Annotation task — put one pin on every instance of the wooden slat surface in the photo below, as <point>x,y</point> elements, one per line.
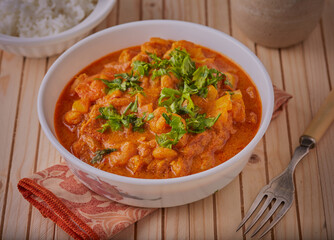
<point>305,70</point>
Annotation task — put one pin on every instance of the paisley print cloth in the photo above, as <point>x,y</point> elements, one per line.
<point>58,194</point>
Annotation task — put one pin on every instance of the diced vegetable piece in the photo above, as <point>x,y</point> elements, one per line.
<point>162,153</point>
<point>81,78</point>
<point>178,167</point>
<point>212,93</point>
<point>223,105</point>
<point>135,163</point>
<point>126,55</point>
<point>238,107</point>
<point>194,51</point>
<point>158,167</point>
<point>158,123</point>
<point>232,80</point>
<point>166,82</point>
<point>128,150</point>
<point>156,46</point>
<point>73,117</point>
<point>148,108</point>
<point>81,105</point>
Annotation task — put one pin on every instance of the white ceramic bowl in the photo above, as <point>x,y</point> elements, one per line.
<point>151,192</point>
<point>51,45</point>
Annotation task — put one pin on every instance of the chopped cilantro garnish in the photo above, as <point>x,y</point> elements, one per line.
<point>123,82</point>
<point>193,81</point>
<point>171,138</point>
<point>99,154</point>
<point>203,77</point>
<point>141,67</point>
<point>116,121</point>
<point>200,123</point>
<point>150,116</point>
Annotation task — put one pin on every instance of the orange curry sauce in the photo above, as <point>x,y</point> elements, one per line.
<point>137,153</point>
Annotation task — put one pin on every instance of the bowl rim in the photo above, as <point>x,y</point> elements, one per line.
<point>141,181</point>
<point>101,10</point>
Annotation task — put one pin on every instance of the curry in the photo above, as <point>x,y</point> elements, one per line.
<point>164,109</point>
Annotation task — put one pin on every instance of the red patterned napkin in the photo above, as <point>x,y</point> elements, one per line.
<point>80,212</point>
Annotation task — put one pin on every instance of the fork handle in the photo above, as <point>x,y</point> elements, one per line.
<point>322,120</point>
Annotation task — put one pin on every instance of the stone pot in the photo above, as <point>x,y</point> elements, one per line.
<point>277,23</point>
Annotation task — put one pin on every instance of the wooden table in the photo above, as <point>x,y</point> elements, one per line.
<point>305,70</point>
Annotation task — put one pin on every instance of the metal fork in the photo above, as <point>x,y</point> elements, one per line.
<point>280,190</point>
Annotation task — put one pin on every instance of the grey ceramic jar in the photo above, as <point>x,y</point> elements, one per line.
<point>277,23</point>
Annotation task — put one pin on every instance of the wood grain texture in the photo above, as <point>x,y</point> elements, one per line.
<point>319,88</point>
<point>152,9</point>
<point>328,38</point>
<point>150,227</point>
<point>176,223</point>
<point>227,200</point>
<point>126,11</point>
<point>10,80</point>
<point>228,214</point>
<point>306,71</point>
<point>24,151</point>
<point>254,174</point>
<point>126,234</point>
<point>310,205</point>
<point>278,155</point>
<point>40,227</point>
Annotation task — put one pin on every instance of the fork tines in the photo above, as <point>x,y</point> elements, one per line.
<point>268,198</point>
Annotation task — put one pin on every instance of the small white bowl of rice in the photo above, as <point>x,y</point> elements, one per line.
<point>39,28</point>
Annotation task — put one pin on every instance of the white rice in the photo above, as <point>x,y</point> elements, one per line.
<point>39,18</point>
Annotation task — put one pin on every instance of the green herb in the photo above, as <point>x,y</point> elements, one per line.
<point>141,67</point>
<point>133,106</point>
<point>159,72</point>
<point>158,63</point>
<point>203,77</point>
<point>200,123</point>
<point>123,82</point>
<point>116,121</point>
<point>193,81</point>
<point>150,117</point>
<point>99,154</point>
<point>139,123</point>
<point>172,99</point>
<point>181,64</point>
<point>171,138</point>
<point>158,66</point>
<point>228,83</point>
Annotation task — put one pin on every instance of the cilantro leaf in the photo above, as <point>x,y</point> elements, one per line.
<point>200,123</point>
<point>181,64</point>
<point>172,99</point>
<point>159,72</point>
<point>203,77</point>
<point>116,121</point>
<point>99,154</point>
<point>141,67</point>
<point>150,117</point>
<point>123,82</point>
<point>167,140</point>
<point>133,106</point>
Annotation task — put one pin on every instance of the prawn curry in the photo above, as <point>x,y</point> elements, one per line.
<point>164,109</point>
